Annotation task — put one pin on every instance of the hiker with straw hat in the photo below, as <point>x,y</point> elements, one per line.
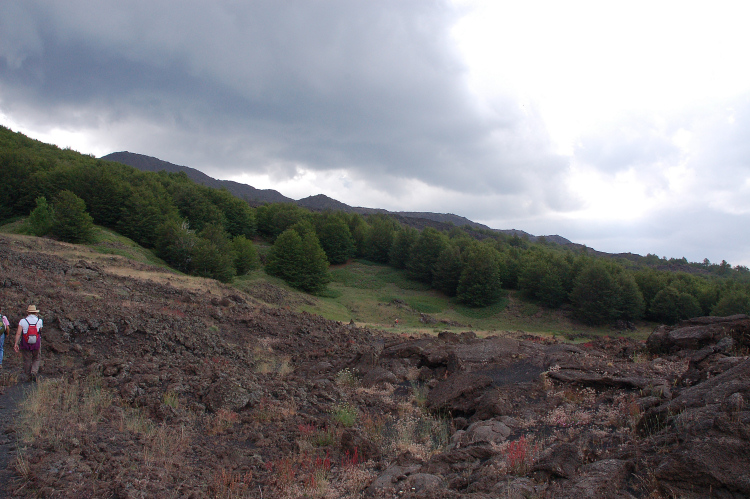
<point>29,341</point>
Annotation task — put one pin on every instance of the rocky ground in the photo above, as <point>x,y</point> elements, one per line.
<point>159,385</point>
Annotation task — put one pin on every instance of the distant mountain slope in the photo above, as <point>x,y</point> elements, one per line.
<point>319,202</point>
<point>242,191</point>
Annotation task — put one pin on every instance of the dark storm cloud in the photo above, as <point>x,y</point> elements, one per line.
<point>372,87</point>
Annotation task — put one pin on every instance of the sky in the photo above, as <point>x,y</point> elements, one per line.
<point>620,125</point>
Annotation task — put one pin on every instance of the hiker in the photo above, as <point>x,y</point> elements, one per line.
<point>29,341</point>
<point>4,328</point>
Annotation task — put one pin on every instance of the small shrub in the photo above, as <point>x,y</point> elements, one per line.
<point>345,414</point>
<point>374,425</point>
<point>519,456</point>
<point>420,433</point>
<point>165,447</point>
<point>265,362</point>
<point>284,471</point>
<point>347,377</point>
<point>228,485</point>
<point>21,465</point>
<point>351,459</point>
<point>323,437</point>
<point>317,474</point>
<point>135,421</point>
<point>171,399</point>
<point>640,357</point>
<point>222,421</point>
<point>419,393</point>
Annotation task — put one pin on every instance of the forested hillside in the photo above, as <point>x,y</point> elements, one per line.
<point>208,232</point>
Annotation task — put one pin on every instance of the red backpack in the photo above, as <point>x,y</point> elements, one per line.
<point>31,336</point>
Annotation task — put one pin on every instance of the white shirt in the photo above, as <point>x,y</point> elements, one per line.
<point>24,323</point>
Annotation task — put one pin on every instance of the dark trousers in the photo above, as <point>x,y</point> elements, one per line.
<point>31,361</point>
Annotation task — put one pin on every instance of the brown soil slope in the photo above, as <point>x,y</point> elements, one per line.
<point>159,385</point>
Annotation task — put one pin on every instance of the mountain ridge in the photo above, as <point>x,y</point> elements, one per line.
<point>317,202</point>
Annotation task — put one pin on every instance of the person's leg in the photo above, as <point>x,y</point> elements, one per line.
<point>36,358</point>
<point>26,363</point>
<point>2,346</point>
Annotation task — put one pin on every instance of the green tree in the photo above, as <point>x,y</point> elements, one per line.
<point>380,240</point>
<point>212,255</point>
<point>632,305</point>
<point>595,296</point>
<point>448,268</point>
<point>689,306</point>
<point>245,255</point>
<point>336,240</point>
<point>300,261</point>
<point>104,187</point>
<point>314,275</point>
<point>479,284</point>
<point>303,227</point>
<point>238,216</point>
<point>41,220</point>
<point>148,206</point>
<point>732,302</point>
<point>360,231</point>
<point>424,253</point>
<point>285,257</point>
<point>194,204</point>
<point>539,279</point>
<point>650,282</point>
<point>403,240</point>
<point>511,267</point>
<point>71,223</point>
<point>273,219</point>
<point>669,306</point>
<point>175,243</point>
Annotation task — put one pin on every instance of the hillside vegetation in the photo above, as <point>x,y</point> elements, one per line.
<point>208,232</point>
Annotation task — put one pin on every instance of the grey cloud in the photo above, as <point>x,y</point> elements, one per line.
<point>373,87</point>
<point>636,142</point>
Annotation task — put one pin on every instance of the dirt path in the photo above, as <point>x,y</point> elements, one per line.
<point>9,400</point>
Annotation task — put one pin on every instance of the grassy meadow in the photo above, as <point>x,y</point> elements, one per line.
<point>376,295</point>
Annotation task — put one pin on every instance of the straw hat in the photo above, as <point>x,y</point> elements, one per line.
<point>32,309</point>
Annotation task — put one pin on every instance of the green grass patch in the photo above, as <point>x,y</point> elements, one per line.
<point>329,293</point>
<point>427,304</point>
<point>15,225</point>
<point>398,278</point>
<point>482,312</point>
<point>356,277</point>
<point>108,242</point>
<point>422,303</point>
<point>528,309</point>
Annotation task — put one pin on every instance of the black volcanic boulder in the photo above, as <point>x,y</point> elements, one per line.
<point>228,394</point>
<point>603,479</point>
<point>700,332</point>
<point>709,424</point>
<point>561,460</point>
<point>459,393</point>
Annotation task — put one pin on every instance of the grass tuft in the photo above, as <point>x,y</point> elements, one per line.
<point>345,414</point>
<point>58,408</point>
